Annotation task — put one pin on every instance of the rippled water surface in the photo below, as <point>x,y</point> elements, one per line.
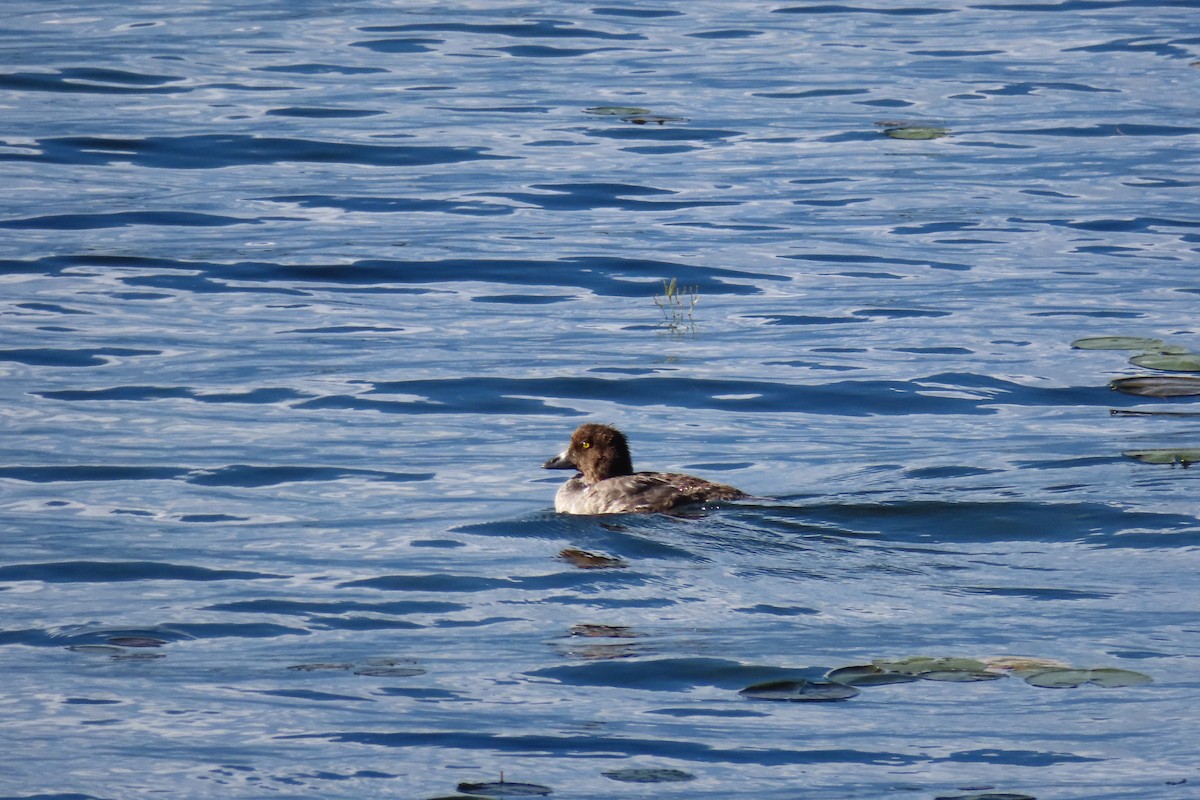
<point>297,297</point>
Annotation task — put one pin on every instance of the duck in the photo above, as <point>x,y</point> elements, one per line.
<point>605,482</point>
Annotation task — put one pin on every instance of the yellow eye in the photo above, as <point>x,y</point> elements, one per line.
<point>586,445</point>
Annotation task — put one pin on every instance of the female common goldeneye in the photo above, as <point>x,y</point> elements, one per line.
<point>607,484</point>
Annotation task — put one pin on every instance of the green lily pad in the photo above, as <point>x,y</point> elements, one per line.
<point>1169,362</point>
<point>136,641</point>
<point>585,559</point>
<point>650,775</point>
<point>800,691</point>
<point>917,665</point>
<point>1184,456</point>
<point>319,666</point>
<point>1158,385</point>
<point>960,675</point>
<point>917,132</point>
<point>867,675</point>
<point>1118,343</point>
<point>959,670</point>
<point>1104,677</point>
<point>389,672</point>
<point>505,789</point>
<point>646,119</point>
<point>617,111</point>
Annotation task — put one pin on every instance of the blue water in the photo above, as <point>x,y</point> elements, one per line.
<point>298,296</point>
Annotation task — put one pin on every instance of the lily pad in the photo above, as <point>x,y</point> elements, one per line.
<point>319,666</point>
<point>136,641</point>
<point>505,789</point>
<point>617,111</point>
<point>1023,663</point>
<point>986,796</point>
<point>1104,677</point>
<point>1118,343</point>
<point>594,631</point>
<point>1158,385</point>
<point>650,775</point>
<point>800,691</point>
<point>646,119</point>
<point>389,672</point>
<point>918,665</point>
<point>1169,362</point>
<point>585,559</point>
<point>1184,456</point>
<point>916,132</point>
<point>961,675</point>
<point>868,675</point>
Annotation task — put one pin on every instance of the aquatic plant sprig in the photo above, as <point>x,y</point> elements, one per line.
<point>678,305</point>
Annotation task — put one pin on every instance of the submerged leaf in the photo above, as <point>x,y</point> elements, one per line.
<point>986,796</point>
<point>505,789</point>
<point>1169,362</point>
<point>1104,677</point>
<point>918,665</point>
<point>136,641</point>
<point>1184,456</point>
<point>800,691</point>
<point>867,675</point>
<point>1158,385</point>
<point>320,666</point>
<point>650,775</point>
<point>594,631</point>
<point>1023,663</point>
<point>588,560</point>
<point>917,132</point>
<point>961,675</point>
<point>1112,678</point>
<point>389,672</point>
<point>1118,343</point>
<point>643,119</point>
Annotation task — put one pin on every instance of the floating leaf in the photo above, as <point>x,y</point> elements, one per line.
<point>617,111</point>
<point>960,675</point>
<point>917,132</point>
<point>1184,456</point>
<point>593,631</point>
<point>504,788</point>
<point>917,665</point>
<point>1169,362</point>
<point>136,641</point>
<point>1070,678</point>
<point>650,775</point>
<point>588,560</point>
<point>389,672</point>
<point>643,119</point>
<point>1023,663</point>
<point>986,796</point>
<point>961,670</point>
<point>1118,343</point>
<point>800,691</point>
<point>867,675</point>
<point>317,667</point>
<point>1158,385</point>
